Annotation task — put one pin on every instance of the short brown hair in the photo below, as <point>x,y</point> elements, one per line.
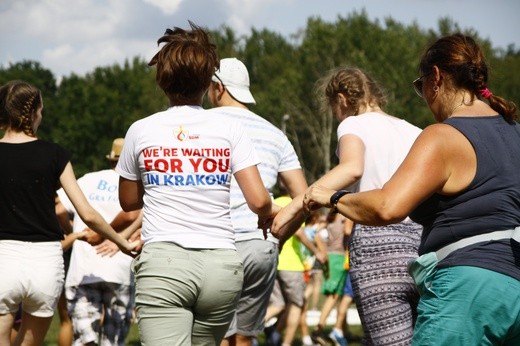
<point>185,64</point>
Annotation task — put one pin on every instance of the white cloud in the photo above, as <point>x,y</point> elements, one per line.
<point>167,6</point>
<point>79,35</point>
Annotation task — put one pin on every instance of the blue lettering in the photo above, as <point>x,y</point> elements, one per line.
<point>190,180</point>
<point>179,180</point>
<point>168,179</point>
<point>199,179</point>
<point>210,180</point>
<point>222,179</point>
<point>153,179</point>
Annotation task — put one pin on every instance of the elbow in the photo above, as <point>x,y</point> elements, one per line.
<point>130,207</point>
<point>90,218</point>
<point>388,215</point>
<point>261,206</point>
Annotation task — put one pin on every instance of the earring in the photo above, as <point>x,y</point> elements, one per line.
<point>436,88</point>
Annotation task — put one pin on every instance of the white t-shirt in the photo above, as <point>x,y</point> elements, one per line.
<point>185,157</point>
<point>387,141</point>
<point>87,267</point>
<point>276,155</point>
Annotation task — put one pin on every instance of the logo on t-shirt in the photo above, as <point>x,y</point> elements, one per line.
<point>182,134</point>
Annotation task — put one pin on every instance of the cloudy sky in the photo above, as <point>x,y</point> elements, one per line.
<point>68,36</point>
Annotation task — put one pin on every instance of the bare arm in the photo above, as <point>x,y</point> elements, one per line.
<point>346,173</point>
<point>296,184</point>
<point>88,214</point>
<point>320,256</point>
<point>440,161</point>
<point>130,194</point>
<point>122,220</point>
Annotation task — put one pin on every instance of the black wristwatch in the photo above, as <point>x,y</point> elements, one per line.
<point>334,199</point>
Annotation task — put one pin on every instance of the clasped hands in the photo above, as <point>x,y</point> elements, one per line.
<point>288,219</point>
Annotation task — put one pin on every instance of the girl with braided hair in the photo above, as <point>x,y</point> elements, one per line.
<point>31,256</point>
<point>461,181</point>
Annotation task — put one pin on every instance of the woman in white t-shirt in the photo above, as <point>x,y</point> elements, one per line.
<point>177,165</point>
<point>371,146</point>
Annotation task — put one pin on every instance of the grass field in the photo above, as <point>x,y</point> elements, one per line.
<point>133,336</point>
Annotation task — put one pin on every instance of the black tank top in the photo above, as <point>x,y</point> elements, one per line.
<point>490,203</point>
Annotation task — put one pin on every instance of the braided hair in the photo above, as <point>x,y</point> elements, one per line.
<point>19,101</point>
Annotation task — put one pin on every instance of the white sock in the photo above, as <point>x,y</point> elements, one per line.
<point>338,331</point>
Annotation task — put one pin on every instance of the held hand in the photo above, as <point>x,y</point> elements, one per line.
<point>265,222</point>
<point>316,197</point>
<point>92,237</point>
<point>107,248</point>
<point>287,221</point>
<point>131,248</point>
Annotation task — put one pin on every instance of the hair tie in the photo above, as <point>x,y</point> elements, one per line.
<point>485,93</point>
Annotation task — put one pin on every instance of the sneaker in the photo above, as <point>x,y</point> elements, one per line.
<point>320,338</point>
<point>337,339</point>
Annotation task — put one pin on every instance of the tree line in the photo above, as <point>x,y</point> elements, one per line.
<point>85,113</point>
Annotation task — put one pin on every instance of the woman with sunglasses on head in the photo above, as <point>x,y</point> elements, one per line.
<point>177,165</point>
<point>461,181</point>
<point>371,146</point>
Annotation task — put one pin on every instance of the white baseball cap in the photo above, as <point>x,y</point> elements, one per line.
<point>234,77</point>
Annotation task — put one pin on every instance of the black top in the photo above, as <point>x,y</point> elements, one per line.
<point>490,203</point>
<point>29,177</point>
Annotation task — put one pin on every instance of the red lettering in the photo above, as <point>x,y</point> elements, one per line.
<point>176,165</point>
<point>195,163</point>
<point>148,164</point>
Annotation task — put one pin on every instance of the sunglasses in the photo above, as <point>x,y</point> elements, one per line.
<point>218,80</point>
<point>418,85</point>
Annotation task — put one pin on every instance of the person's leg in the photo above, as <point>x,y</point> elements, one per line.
<point>32,330</point>
<point>118,301</point>
<point>304,328</point>
<point>167,285</point>
<point>65,335</point>
<point>292,285</point>
<point>316,281</point>
<point>337,332</point>
<point>291,323</point>
<point>6,326</point>
<point>219,292</point>
<point>260,258</point>
<point>382,283</point>
<point>85,308</point>
<point>276,303</point>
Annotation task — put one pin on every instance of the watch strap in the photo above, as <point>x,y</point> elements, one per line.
<point>334,199</point>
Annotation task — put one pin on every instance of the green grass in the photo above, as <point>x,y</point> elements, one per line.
<point>133,336</point>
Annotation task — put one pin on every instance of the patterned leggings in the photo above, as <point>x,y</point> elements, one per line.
<point>384,292</point>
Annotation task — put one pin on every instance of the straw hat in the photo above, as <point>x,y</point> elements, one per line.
<point>117,147</point>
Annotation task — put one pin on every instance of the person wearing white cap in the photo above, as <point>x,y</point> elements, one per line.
<point>230,94</point>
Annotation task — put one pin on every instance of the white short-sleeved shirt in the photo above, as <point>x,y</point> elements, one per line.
<point>86,266</point>
<point>276,155</point>
<point>387,140</point>
<point>185,157</point>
